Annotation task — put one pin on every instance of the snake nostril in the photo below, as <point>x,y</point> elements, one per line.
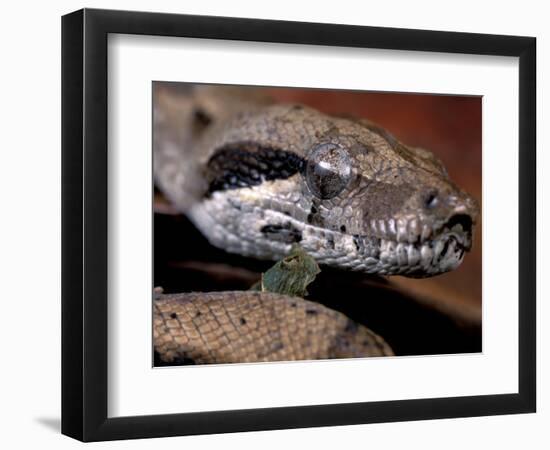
<point>460,219</point>
<point>431,199</point>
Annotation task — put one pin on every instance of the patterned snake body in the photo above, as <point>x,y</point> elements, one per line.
<point>229,327</point>
<point>256,178</point>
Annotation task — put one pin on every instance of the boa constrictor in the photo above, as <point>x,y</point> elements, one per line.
<point>256,178</point>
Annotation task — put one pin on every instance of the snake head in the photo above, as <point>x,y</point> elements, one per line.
<point>347,191</point>
<point>399,209</point>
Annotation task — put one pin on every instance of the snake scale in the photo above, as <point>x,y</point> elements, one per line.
<point>258,177</point>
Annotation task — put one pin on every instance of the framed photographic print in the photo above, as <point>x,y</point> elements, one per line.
<point>276,224</point>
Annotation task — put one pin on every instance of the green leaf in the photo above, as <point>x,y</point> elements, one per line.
<point>291,275</point>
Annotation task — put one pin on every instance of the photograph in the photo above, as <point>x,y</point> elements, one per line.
<point>296,224</point>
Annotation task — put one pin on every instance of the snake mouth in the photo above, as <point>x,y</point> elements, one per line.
<point>459,227</point>
<point>400,246</point>
<point>419,252</point>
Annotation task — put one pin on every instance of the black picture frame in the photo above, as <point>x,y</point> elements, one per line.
<point>84,224</point>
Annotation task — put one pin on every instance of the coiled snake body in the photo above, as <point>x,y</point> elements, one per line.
<point>256,178</point>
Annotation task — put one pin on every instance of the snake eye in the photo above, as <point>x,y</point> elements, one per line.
<point>328,170</point>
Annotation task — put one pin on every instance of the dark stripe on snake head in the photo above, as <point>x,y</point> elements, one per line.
<point>247,164</point>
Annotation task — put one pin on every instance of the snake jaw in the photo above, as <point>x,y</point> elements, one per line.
<point>230,221</point>
<point>418,246</point>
